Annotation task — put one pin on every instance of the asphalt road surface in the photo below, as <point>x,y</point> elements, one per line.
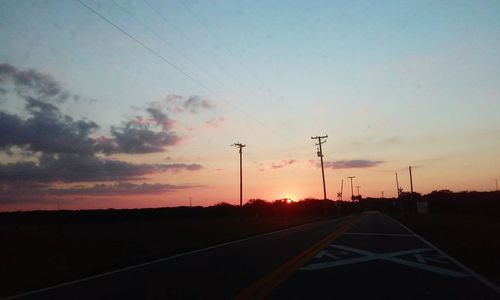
<point>364,256</point>
<point>379,258</point>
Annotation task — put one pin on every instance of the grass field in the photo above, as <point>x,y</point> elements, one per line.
<point>473,240</point>
<point>38,255</point>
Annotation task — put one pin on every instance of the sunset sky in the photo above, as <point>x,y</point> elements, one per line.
<point>135,103</point>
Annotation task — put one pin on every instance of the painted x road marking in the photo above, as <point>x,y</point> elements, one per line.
<point>391,256</point>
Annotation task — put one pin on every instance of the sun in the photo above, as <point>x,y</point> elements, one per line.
<point>288,197</point>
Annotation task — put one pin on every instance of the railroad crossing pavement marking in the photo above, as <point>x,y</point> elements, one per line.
<point>423,257</point>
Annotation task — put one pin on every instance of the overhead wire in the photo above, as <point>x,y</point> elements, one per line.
<point>181,32</point>
<point>175,67</point>
<point>168,43</point>
<point>192,41</point>
<point>205,26</point>
<point>171,45</point>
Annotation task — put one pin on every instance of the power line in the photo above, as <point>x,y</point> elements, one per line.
<point>161,57</point>
<point>181,53</point>
<point>148,48</point>
<point>168,43</point>
<point>205,27</point>
<point>181,32</point>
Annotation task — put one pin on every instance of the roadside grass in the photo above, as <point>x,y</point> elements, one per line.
<point>41,255</point>
<point>472,239</point>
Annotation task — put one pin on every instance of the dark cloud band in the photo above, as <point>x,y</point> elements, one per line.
<point>80,168</point>
<point>121,188</point>
<point>351,164</point>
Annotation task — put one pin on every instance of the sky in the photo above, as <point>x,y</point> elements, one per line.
<point>125,104</point>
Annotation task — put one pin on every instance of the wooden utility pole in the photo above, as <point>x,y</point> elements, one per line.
<point>342,190</point>
<point>352,189</point>
<point>240,147</point>
<point>320,154</point>
<point>411,180</point>
<point>397,184</point>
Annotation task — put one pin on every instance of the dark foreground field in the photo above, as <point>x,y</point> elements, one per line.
<point>43,249</point>
<point>39,249</point>
<point>472,239</point>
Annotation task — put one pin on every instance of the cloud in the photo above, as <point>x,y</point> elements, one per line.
<point>350,164</point>
<point>121,188</point>
<point>47,131</point>
<point>160,118</point>
<point>134,137</point>
<point>40,194</point>
<point>193,104</point>
<point>283,163</point>
<point>142,135</point>
<point>3,92</point>
<point>32,83</point>
<point>58,148</point>
<point>216,122</point>
<point>177,167</point>
<point>81,168</point>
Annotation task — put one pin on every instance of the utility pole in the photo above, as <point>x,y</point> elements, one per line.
<point>382,194</point>
<point>411,181</point>
<point>397,184</point>
<point>352,190</point>
<point>240,147</point>
<point>357,187</point>
<point>496,184</point>
<point>342,190</point>
<point>320,154</point>
<point>189,201</point>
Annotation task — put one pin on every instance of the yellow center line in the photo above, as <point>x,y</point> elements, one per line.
<point>263,287</point>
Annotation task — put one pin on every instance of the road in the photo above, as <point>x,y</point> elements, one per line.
<point>379,258</point>
<point>364,256</point>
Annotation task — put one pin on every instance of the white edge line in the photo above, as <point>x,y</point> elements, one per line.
<point>165,259</point>
<point>480,278</point>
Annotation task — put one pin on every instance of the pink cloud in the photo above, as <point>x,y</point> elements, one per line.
<point>283,163</point>
<point>216,122</point>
